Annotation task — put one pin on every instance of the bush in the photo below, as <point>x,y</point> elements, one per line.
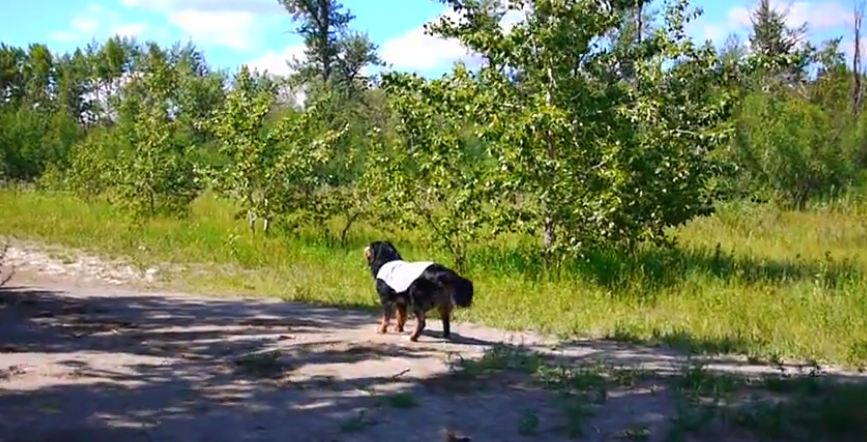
<point>793,149</point>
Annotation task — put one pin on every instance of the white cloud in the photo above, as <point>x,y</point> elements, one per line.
<point>818,15</point>
<point>714,32</point>
<point>233,29</point>
<point>235,24</point>
<point>130,29</point>
<point>416,50</point>
<point>97,22</point>
<point>65,36</point>
<point>419,51</point>
<point>84,25</point>
<point>276,62</point>
<point>252,6</point>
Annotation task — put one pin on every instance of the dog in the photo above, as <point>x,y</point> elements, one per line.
<point>417,286</point>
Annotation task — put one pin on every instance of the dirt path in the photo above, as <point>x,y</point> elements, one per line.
<point>96,363</point>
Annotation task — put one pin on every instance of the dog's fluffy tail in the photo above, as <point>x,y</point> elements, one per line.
<point>462,290</point>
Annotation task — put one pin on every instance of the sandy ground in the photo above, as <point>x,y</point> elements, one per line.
<point>98,362</point>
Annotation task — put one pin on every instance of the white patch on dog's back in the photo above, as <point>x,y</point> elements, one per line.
<point>399,275</point>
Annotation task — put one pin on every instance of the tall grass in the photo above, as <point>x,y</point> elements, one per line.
<point>751,279</point>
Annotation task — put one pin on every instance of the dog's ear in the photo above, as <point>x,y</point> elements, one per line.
<point>368,253</point>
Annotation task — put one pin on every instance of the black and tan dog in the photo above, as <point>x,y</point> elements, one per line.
<point>417,286</point>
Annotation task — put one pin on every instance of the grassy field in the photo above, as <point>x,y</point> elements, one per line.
<point>751,280</point>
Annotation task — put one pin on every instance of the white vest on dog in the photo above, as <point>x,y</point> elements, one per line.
<point>399,275</point>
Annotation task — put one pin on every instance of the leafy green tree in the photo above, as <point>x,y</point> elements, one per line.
<point>110,64</point>
<point>240,128</point>
<point>300,177</point>
<point>94,162</point>
<point>593,160</point>
<point>781,51</point>
<point>199,90</point>
<point>789,147</point>
<point>72,85</point>
<point>39,77</point>
<point>273,170</point>
<point>155,176</point>
<point>321,23</point>
<point>434,175</point>
<point>12,83</point>
<point>335,57</point>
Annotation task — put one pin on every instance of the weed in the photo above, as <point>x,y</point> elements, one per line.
<point>355,423</point>
<point>401,400</point>
<point>264,364</point>
<point>528,424</point>
<point>576,411</point>
<point>690,419</point>
<point>695,382</point>
<point>812,410</point>
<point>503,357</point>
<point>637,433</point>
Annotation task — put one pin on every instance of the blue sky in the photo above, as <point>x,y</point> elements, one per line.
<point>259,32</point>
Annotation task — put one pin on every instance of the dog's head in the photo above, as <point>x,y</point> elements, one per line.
<point>379,253</point>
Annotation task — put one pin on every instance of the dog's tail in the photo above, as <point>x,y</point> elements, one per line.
<point>462,290</point>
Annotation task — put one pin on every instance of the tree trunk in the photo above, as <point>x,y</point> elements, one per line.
<point>251,221</point>
<point>351,219</point>
<point>550,234</point>
<point>857,74</point>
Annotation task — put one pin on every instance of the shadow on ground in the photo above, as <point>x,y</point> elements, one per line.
<point>100,365</point>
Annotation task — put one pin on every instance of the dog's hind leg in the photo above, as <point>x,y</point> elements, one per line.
<point>445,315</point>
<point>401,317</point>
<point>386,318</point>
<point>419,325</point>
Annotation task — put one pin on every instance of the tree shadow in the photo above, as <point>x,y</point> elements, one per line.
<point>183,368</point>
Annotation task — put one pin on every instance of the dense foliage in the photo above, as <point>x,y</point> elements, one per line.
<point>582,126</point>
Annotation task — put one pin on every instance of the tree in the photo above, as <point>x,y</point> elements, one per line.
<point>12,81</point>
<point>39,77</point>
<point>321,24</point>
<point>4,278</point>
<point>272,171</point>
<point>781,49</point>
<point>239,127</point>
<point>355,53</point>
<point>300,177</point>
<point>583,157</point>
<point>793,148</point>
<point>857,69</point>
<point>110,63</point>
<point>335,57</point>
<point>199,90</point>
<point>156,175</point>
<point>433,175</point>
<point>72,84</point>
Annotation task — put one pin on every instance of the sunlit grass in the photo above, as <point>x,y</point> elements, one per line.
<point>751,279</point>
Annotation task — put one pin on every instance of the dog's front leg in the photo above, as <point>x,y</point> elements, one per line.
<point>386,318</point>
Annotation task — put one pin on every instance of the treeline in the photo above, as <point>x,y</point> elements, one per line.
<point>586,127</point>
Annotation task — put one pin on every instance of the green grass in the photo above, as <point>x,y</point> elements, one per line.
<point>811,407</point>
<point>808,408</point>
<point>404,400</point>
<point>752,280</point>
